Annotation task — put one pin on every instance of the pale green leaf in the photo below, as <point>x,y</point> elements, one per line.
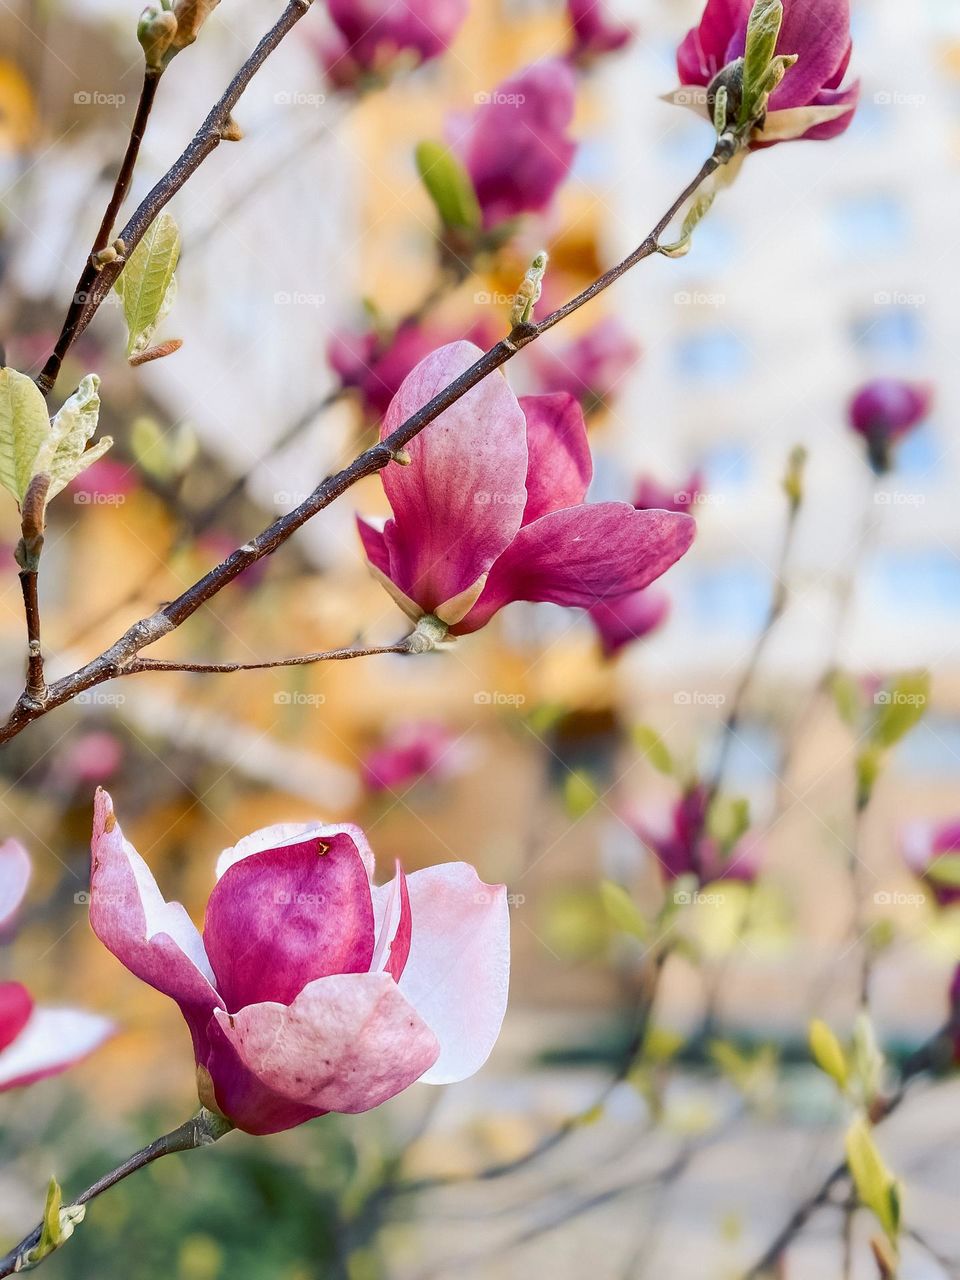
<point>56,1227</point>
<point>147,284</point>
<point>64,454</point>
<point>945,871</point>
<point>827,1052</point>
<point>875,1185</point>
<point>579,793</point>
<point>622,910</point>
<point>763,30</point>
<point>653,748</point>
<point>24,429</point>
<point>449,186</point>
<point>900,706</point>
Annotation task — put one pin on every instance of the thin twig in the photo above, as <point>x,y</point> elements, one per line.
<point>112,661</point>
<point>139,665</point>
<point>201,1130</point>
<point>204,143</point>
<point>36,684</point>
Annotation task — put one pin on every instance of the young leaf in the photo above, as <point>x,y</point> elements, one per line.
<point>579,793</point>
<point>763,30</point>
<point>827,1052</point>
<point>24,428</point>
<point>876,1187</point>
<point>846,698</point>
<point>147,285</point>
<point>57,1225</point>
<point>449,186</point>
<point>622,910</point>
<point>728,819</point>
<point>900,706</point>
<point>64,453</point>
<point>653,748</point>
<point>945,870</point>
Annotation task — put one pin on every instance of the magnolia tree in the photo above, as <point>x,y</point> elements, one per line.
<point>312,988</point>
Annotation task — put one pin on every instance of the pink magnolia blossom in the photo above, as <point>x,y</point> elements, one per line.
<point>36,1043</point>
<point>651,495</point>
<point>592,366</point>
<point>515,145</point>
<point>922,844</point>
<point>491,508</point>
<point>371,34</point>
<point>683,846</point>
<point>886,410</point>
<point>627,618</point>
<point>411,752</point>
<point>90,757</point>
<point>810,101</point>
<point>594,31</point>
<point>311,989</point>
<point>107,481</point>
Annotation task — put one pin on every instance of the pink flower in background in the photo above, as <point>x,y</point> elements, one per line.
<point>886,410</point>
<point>36,1043</point>
<point>491,508</point>
<point>809,102</point>
<point>515,145</point>
<point>89,758</point>
<point>312,989</point>
<point>106,481</point>
<point>594,32</point>
<point>372,34</point>
<point>682,845</point>
<point>922,845</point>
<point>592,366</point>
<point>627,618</point>
<point>411,752</point>
<point>651,495</point>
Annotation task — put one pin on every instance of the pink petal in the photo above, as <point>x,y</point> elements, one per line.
<point>52,1041</point>
<point>391,906</point>
<point>559,466</point>
<point>582,555</point>
<point>14,878</point>
<point>712,44</point>
<point>154,939</point>
<point>287,833</point>
<point>627,618</point>
<point>16,1007</point>
<point>820,34</point>
<point>459,502</point>
<point>347,1043</point>
<point>458,970</point>
<point>281,918</point>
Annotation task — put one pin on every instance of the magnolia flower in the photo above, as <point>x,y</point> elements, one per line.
<point>809,102</point>
<point>412,752</point>
<point>491,508</point>
<point>683,846</point>
<point>36,1043</point>
<point>886,410</point>
<point>651,495</point>
<point>372,34</point>
<point>923,845</point>
<point>515,145</point>
<point>627,618</point>
<point>594,32</point>
<point>311,989</point>
<point>591,367</point>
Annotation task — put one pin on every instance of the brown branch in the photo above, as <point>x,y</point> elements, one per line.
<point>111,663</point>
<point>204,143</point>
<point>36,685</point>
<point>201,1130</point>
<point>139,665</point>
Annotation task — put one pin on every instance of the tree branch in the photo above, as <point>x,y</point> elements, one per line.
<point>111,663</point>
<point>204,143</point>
<point>202,1130</point>
<point>139,665</point>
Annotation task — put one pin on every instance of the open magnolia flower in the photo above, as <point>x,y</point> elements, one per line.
<point>371,36</point>
<point>683,846</point>
<point>491,508</point>
<point>36,1043</point>
<point>809,102</point>
<point>312,989</point>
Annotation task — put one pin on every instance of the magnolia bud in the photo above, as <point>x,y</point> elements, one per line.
<point>156,32</point>
<point>190,15</point>
<point>729,78</point>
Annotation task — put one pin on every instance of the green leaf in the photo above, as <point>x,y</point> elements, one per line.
<point>164,455</point>
<point>449,186</point>
<point>579,793</point>
<point>653,748</point>
<point>24,429</point>
<point>622,910</point>
<point>866,1058</point>
<point>846,698</point>
<point>57,1225</point>
<point>763,31</point>
<point>945,870</point>
<point>900,706</point>
<point>64,454</point>
<point>147,285</point>
<point>876,1187</point>
<point>728,819</point>
<point>827,1052</point>
<point>695,214</point>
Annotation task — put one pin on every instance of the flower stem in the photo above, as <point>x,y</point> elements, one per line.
<point>201,1130</point>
